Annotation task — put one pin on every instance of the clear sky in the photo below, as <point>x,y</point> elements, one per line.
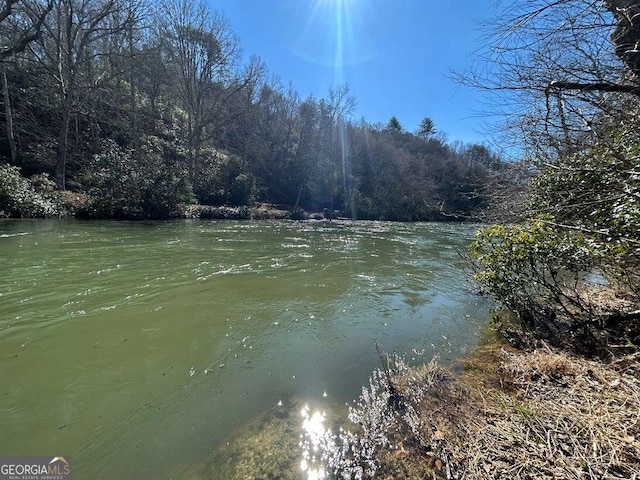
<point>394,54</point>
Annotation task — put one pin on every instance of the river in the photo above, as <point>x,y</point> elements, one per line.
<point>132,348</point>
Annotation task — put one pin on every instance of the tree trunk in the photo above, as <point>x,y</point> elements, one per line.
<point>626,36</point>
<point>195,147</point>
<point>8,117</point>
<point>63,137</point>
<point>132,92</point>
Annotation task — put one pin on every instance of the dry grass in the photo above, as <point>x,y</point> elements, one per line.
<point>503,414</point>
<point>518,415</point>
<point>558,417</point>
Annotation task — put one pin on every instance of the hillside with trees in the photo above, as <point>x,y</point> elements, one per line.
<point>133,108</point>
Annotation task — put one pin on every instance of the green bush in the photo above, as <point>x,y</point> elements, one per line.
<point>149,184</point>
<point>597,192</point>
<point>534,269</point>
<point>22,197</point>
<point>583,216</point>
<point>242,190</point>
<point>221,180</point>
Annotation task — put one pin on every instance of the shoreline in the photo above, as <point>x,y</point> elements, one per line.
<point>75,205</point>
<point>497,413</point>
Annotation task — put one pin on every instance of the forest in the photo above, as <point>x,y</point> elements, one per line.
<point>132,110</point>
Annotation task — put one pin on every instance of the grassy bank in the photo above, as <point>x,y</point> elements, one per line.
<point>500,413</point>
<point>517,415</point>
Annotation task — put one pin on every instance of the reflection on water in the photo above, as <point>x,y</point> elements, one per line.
<point>312,443</point>
<point>137,347</point>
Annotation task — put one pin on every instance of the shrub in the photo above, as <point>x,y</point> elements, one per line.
<point>597,192</point>
<point>221,180</point>
<point>534,270</point>
<point>583,216</point>
<point>242,190</point>
<point>149,184</point>
<point>22,197</point>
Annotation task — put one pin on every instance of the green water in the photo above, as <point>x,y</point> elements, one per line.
<point>133,348</point>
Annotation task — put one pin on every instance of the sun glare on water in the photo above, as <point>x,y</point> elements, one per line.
<point>313,442</point>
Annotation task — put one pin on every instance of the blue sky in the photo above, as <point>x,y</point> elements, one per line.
<point>394,54</point>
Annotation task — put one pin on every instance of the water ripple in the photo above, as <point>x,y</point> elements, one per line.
<point>149,343</point>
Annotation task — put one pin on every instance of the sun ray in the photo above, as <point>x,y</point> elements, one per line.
<point>338,63</point>
<point>332,36</point>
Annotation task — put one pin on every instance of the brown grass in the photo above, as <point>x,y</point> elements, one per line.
<point>517,415</point>
<point>500,413</point>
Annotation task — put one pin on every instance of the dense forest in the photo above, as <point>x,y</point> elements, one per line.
<point>135,108</point>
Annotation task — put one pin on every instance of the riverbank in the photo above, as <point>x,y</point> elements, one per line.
<point>500,413</point>
<point>513,414</point>
<point>38,198</point>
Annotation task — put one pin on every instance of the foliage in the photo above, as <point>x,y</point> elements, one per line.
<point>222,180</point>
<point>127,184</point>
<point>583,217</point>
<point>426,129</point>
<point>22,197</point>
<point>533,268</point>
<point>139,97</point>
<point>597,191</point>
<point>394,124</point>
<point>241,189</point>
<point>575,97</point>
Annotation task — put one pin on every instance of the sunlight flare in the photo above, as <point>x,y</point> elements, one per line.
<point>344,42</point>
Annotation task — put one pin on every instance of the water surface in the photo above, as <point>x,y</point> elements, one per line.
<point>136,347</point>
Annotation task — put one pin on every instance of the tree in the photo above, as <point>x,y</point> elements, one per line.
<point>16,36</point>
<point>308,145</point>
<point>394,125</point>
<point>339,108</point>
<point>103,93</point>
<point>537,51</point>
<point>205,55</point>
<point>576,73</point>
<point>21,22</point>
<point>426,129</point>
<point>149,184</point>
<point>67,48</point>
<point>271,154</point>
<point>596,193</point>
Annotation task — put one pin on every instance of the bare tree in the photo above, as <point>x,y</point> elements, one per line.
<point>70,40</point>
<point>20,23</point>
<point>553,72</point>
<point>205,57</point>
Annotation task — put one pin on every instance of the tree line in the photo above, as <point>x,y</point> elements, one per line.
<point>134,108</point>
